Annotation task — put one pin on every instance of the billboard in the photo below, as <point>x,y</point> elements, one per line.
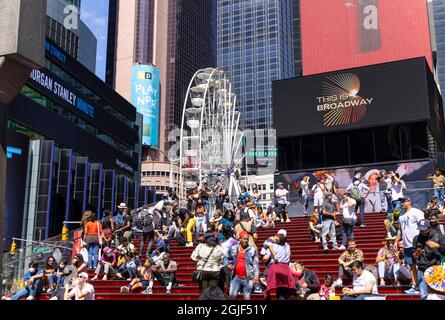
<point>377,95</point>
<point>342,34</point>
<point>145,95</point>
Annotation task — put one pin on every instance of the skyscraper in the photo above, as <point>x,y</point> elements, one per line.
<point>296,28</point>
<point>79,43</point>
<point>174,35</point>
<point>255,45</point>
<point>438,8</point>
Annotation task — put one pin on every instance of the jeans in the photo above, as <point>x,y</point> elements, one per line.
<point>348,232</point>
<point>145,236</point>
<point>421,283</point>
<point>306,203</point>
<point>361,204</point>
<point>131,268</point>
<point>93,253</point>
<point>328,226</point>
<point>33,290</point>
<point>166,279</point>
<point>388,272</point>
<point>342,271</point>
<point>439,194</point>
<point>359,297</point>
<point>235,285</point>
<point>200,222</point>
<point>385,197</point>
<point>171,232</point>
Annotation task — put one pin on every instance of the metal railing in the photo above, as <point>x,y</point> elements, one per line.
<point>15,264</point>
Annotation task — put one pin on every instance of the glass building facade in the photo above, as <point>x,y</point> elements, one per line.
<point>438,7</point>
<point>255,44</point>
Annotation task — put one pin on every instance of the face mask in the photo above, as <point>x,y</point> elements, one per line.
<point>32,270</point>
<point>62,266</point>
<point>434,224</point>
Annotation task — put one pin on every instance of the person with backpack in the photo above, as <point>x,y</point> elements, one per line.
<point>148,227</point>
<point>247,225</point>
<point>359,191</point>
<point>119,222</point>
<point>304,188</point>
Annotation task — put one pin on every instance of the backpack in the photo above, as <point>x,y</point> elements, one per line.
<point>119,220</point>
<point>355,193</point>
<point>180,238</point>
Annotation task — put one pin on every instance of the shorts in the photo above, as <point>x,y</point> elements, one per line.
<point>145,283</point>
<point>318,202</point>
<point>408,253</point>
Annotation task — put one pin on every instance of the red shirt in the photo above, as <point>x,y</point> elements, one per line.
<point>240,269</point>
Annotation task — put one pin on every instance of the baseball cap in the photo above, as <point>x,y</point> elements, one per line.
<point>83,275</point>
<point>424,225</point>
<point>282,232</point>
<point>243,234</point>
<point>404,199</point>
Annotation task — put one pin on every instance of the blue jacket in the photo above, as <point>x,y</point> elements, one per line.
<point>250,258</point>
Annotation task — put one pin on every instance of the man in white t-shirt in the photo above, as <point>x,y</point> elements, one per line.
<point>318,191</point>
<point>281,199</point>
<point>81,290</point>
<point>409,228</point>
<point>364,284</point>
<point>347,206</point>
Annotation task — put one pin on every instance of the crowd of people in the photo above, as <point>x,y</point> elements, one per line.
<point>226,249</point>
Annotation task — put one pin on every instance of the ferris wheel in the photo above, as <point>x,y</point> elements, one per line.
<point>211,141</point>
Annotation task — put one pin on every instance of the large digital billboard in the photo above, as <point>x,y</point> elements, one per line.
<point>145,94</point>
<point>389,93</point>
<point>342,34</point>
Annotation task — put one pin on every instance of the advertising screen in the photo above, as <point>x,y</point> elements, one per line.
<point>343,34</point>
<point>356,98</point>
<point>145,94</point>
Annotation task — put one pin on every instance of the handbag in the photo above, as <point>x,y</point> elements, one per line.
<point>197,274</point>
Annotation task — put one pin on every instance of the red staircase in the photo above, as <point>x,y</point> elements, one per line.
<point>369,239</point>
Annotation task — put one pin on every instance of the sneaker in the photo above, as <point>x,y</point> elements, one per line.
<point>94,278</point>
<point>148,291</point>
<point>382,282</point>
<point>412,290</point>
<point>336,248</point>
<point>189,244</point>
<point>129,279</point>
<point>263,281</point>
<point>397,283</point>
<point>325,248</point>
<point>282,220</point>
<point>125,289</point>
<point>30,298</point>
<point>258,290</point>
<point>288,220</point>
<point>5,298</point>
<point>169,291</point>
<point>317,240</point>
<point>342,247</point>
<point>105,278</point>
<point>363,226</point>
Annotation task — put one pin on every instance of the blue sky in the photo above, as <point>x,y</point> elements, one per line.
<point>95,15</point>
